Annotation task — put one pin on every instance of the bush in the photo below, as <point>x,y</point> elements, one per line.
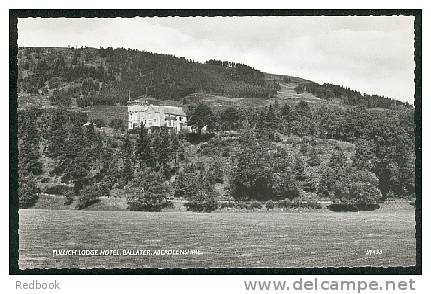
<point>168,205</point>
<point>285,203</point>
<point>215,172</point>
<point>90,195</point>
<point>148,192</point>
<point>145,203</point>
<point>368,206</point>
<point>229,204</point>
<point>27,193</point>
<point>313,205</point>
<point>195,138</point>
<point>63,190</point>
<point>69,198</point>
<point>255,205</point>
<point>202,206</point>
<point>352,207</point>
<point>343,207</point>
<point>269,205</point>
<point>98,122</point>
<point>242,205</point>
<point>117,124</point>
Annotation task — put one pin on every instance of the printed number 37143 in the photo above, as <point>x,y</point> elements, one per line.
<point>374,252</point>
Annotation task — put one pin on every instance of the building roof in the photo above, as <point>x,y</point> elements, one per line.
<point>172,110</point>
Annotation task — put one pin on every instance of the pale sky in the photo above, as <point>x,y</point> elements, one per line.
<point>372,54</point>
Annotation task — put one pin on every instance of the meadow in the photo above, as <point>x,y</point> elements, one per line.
<point>224,239</point>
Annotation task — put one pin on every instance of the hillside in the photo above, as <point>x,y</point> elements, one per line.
<point>82,77</point>
<point>89,76</point>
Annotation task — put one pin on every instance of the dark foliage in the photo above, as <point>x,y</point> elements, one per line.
<point>353,207</point>
<point>106,76</point>
<point>350,97</point>
<point>27,192</point>
<point>148,192</point>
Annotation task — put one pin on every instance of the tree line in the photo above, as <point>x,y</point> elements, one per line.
<point>107,76</point>
<point>273,153</point>
<point>349,97</point>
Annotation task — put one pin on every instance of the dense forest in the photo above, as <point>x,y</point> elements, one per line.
<point>350,97</point>
<point>283,155</point>
<point>107,76</point>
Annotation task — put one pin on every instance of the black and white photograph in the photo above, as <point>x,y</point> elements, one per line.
<point>274,140</point>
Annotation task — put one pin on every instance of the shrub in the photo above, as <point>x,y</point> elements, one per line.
<point>255,204</point>
<point>343,207</point>
<point>89,195</point>
<point>242,205</point>
<point>69,198</point>
<point>147,192</point>
<point>229,204</point>
<point>352,207</point>
<point>45,180</point>
<point>313,205</point>
<point>285,203</point>
<point>98,122</point>
<point>296,203</point>
<point>58,190</point>
<point>117,124</point>
<point>269,205</point>
<point>215,172</point>
<point>27,193</point>
<point>202,206</point>
<point>168,205</point>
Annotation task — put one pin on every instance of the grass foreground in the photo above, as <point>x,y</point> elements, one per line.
<point>228,239</point>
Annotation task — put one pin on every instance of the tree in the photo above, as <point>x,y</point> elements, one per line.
<point>309,185</point>
<point>117,124</point>
<point>269,205</point>
<point>28,144</point>
<point>299,169</point>
<point>98,122</point>
<point>252,177</point>
<point>357,187</point>
<point>56,133</point>
<point>127,171</point>
<point>27,192</point>
<point>285,186</point>
<point>147,192</point>
<point>333,173</point>
<point>314,159</point>
<point>201,116</point>
<point>143,148</point>
<point>230,119</point>
<point>91,194</point>
<point>215,172</point>
<point>204,198</point>
<point>74,162</point>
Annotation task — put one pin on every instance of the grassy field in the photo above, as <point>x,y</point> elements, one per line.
<point>240,239</point>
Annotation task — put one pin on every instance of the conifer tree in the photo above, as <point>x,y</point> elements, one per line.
<point>127,171</point>
<point>143,148</point>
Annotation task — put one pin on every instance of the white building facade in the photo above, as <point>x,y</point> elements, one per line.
<point>157,116</point>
